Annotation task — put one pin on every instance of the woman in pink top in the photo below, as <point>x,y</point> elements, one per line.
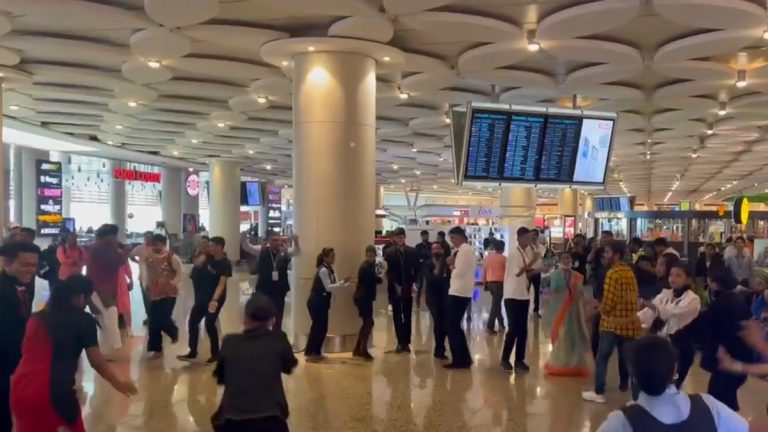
<point>494,266</point>
<point>71,256</point>
<point>124,288</point>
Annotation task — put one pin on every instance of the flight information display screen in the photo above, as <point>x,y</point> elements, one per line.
<point>508,146</point>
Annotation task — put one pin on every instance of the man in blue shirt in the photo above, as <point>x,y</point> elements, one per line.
<point>661,406</point>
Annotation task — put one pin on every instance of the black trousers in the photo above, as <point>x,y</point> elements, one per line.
<point>278,301</point>
<point>145,299</point>
<point>517,329</point>
<point>497,295</point>
<point>160,322</point>
<point>198,313</point>
<point>438,303</point>
<point>536,284</point>
<point>318,312</point>
<point>266,424</point>
<point>724,387</point>
<point>402,315</point>
<point>6,422</point>
<point>457,307</point>
<point>683,343</point>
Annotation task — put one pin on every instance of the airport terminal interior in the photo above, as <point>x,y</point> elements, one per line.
<point>279,129</point>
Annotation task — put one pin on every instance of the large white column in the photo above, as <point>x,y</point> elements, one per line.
<point>568,202</point>
<point>170,199</point>
<point>190,204</point>
<point>379,221</point>
<point>334,178</point>
<point>118,202</point>
<point>29,157</point>
<point>18,200</point>
<point>517,209</point>
<point>225,204</point>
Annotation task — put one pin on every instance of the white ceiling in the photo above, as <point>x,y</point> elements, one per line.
<point>81,68</point>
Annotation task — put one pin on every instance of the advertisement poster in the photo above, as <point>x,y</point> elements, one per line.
<point>49,198</point>
<point>190,224</point>
<point>570,227</point>
<point>275,209</point>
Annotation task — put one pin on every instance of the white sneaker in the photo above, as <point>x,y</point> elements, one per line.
<point>591,396</point>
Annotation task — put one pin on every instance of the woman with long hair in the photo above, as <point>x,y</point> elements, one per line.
<point>569,335</point>
<point>319,303</point>
<point>70,255</point>
<point>672,314</point>
<point>43,396</point>
<point>436,279</point>
<point>365,295</point>
<point>721,326</point>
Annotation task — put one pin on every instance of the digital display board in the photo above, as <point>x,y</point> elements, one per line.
<point>50,193</point>
<point>275,209</point>
<point>506,145</point>
<point>613,204</point>
<point>250,194</point>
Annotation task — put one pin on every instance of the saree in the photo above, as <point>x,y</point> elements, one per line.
<point>569,336</point>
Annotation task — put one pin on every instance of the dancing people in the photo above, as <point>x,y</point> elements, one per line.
<point>494,266</point>
<point>569,334</point>
<point>436,281</point>
<point>319,303</point>
<point>462,286</point>
<point>164,272</point>
<point>365,295</point>
<point>517,302</point>
<point>402,274</point>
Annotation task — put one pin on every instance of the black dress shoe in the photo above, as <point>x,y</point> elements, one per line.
<point>187,357</point>
<point>440,356</point>
<point>507,367</point>
<point>407,348</point>
<point>399,349</point>
<point>522,367</point>
<point>457,366</point>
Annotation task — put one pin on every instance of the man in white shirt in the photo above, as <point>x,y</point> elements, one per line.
<point>662,247</point>
<point>517,300</point>
<point>463,263</point>
<point>538,250</point>
<point>661,406</point>
<point>139,255</point>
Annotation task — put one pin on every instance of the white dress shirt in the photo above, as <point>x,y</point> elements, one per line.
<point>673,407</point>
<point>671,250</point>
<point>517,287</point>
<point>678,313</point>
<point>541,249</point>
<point>463,274</point>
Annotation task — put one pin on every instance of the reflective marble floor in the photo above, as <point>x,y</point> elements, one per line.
<point>394,393</point>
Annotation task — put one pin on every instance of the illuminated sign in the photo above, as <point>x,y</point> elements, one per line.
<point>193,185</point>
<point>124,174</point>
<point>48,211</point>
<point>275,209</point>
<point>741,211</point>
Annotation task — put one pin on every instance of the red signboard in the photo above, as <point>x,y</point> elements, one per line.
<point>136,175</point>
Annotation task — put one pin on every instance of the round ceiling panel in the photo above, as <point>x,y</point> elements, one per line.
<point>705,45</point>
<point>179,13</point>
<point>713,14</point>
<point>586,19</point>
<point>160,43</point>
<point>372,27</point>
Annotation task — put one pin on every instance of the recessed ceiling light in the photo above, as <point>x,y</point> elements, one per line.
<point>118,126</point>
<point>447,120</point>
<point>722,108</point>
<point>2,74</point>
<point>284,63</point>
<point>710,129</point>
<point>221,125</point>
<point>195,141</point>
<point>533,44</point>
<point>386,59</point>
<point>414,149</point>
<point>190,169</point>
<point>441,158</point>
<point>261,99</point>
<point>417,172</point>
<point>402,180</point>
<point>765,34</point>
<point>110,142</point>
<point>175,153</point>
<point>310,48</point>
<point>268,167</point>
<point>250,151</point>
<point>13,107</point>
<point>394,167</point>
<point>403,95</point>
<point>132,104</point>
<point>154,64</point>
<point>434,186</point>
<point>741,78</point>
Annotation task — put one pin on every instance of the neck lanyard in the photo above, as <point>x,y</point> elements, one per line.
<point>274,259</point>
<point>522,255</point>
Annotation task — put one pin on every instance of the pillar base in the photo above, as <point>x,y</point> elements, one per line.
<point>334,344</point>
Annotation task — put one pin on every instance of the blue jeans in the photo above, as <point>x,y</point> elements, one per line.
<point>609,341</point>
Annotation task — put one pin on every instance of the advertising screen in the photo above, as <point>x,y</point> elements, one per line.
<point>539,147</point>
<point>49,198</point>
<point>250,194</point>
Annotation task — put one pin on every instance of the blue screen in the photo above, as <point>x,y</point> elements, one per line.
<point>253,194</point>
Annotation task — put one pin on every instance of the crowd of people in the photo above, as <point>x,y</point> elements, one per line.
<point>646,303</point>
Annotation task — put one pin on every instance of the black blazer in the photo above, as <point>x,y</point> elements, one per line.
<point>367,279</point>
<point>402,269</point>
<point>721,325</point>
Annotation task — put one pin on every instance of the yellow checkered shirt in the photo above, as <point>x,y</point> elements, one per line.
<point>620,302</point>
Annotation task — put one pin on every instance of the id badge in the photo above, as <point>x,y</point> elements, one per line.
<point>275,277</point>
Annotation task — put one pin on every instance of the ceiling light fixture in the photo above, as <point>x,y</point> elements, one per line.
<point>741,78</point>
<point>221,125</point>
<point>533,44</point>
<point>417,172</point>
<point>118,126</point>
<point>649,140</point>
<point>694,154</point>
<point>284,63</point>
<point>13,107</point>
<point>710,128</point>
<point>262,99</point>
<point>133,104</point>
<point>250,151</point>
<point>386,59</point>
<point>268,167</point>
<point>414,149</point>
<point>110,142</point>
<point>648,155</point>
<point>395,167</point>
<point>722,108</point>
<point>403,95</point>
<point>402,180</point>
<point>441,158</point>
<point>195,141</point>
<point>311,48</point>
<point>447,120</point>
<point>175,153</point>
<point>154,64</point>
<point>434,186</point>
<point>765,34</point>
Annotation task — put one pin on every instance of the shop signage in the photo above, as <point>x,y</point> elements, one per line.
<point>275,208</point>
<point>193,185</point>
<point>606,215</point>
<point>125,174</point>
<point>483,212</point>
<point>741,211</point>
<point>49,198</point>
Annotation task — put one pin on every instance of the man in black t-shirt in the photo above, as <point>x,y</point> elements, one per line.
<point>209,275</point>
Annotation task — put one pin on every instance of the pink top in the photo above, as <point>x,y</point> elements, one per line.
<point>494,266</point>
<point>71,259</point>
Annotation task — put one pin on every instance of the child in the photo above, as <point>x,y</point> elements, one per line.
<point>250,367</point>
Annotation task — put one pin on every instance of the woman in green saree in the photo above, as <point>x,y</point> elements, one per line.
<point>569,336</point>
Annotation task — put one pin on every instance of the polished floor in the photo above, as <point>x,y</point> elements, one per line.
<point>394,393</point>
